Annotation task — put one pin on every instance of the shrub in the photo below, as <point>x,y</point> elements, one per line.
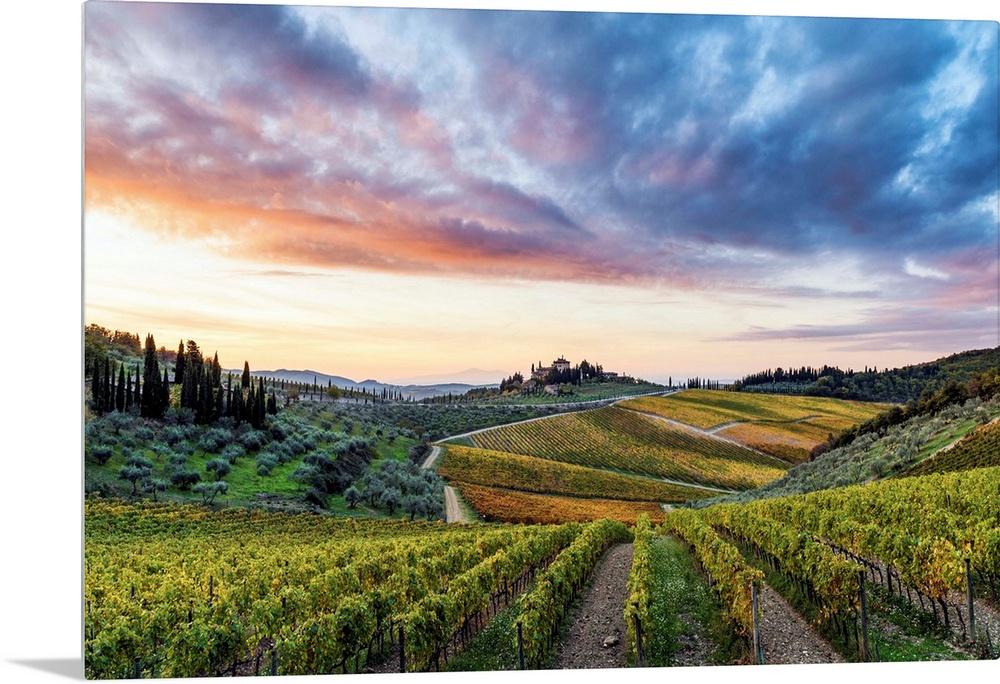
<point>279,430</point>
<point>266,463</point>
<point>215,439</point>
<point>220,466</point>
<point>136,470</point>
<point>253,439</point>
<point>390,499</point>
<point>316,496</point>
<point>352,496</point>
<point>101,453</point>
<point>209,490</point>
<point>172,434</point>
<point>295,445</point>
<point>279,450</point>
<point>184,479</point>
<point>231,452</point>
<point>178,416</point>
<point>144,433</point>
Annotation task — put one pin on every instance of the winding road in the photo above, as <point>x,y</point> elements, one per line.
<point>453,510</point>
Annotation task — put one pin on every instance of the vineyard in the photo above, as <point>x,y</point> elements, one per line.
<point>708,408</point>
<point>783,426</point>
<point>297,594</point>
<point>932,541</point>
<point>508,505</point>
<point>978,449</point>
<point>538,475</point>
<point>789,441</point>
<point>181,591</point>
<point>625,441</point>
<point>173,590</point>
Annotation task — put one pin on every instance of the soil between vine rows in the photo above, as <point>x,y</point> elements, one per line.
<point>787,637</point>
<point>600,614</point>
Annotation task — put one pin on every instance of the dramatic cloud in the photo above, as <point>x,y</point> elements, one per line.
<point>718,154</point>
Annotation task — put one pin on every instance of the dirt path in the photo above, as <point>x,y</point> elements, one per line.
<point>599,615</point>
<point>710,433</point>
<point>453,512</point>
<point>431,457</point>
<point>787,637</point>
<point>578,406</point>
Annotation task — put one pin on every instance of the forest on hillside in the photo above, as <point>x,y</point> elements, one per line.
<point>893,386</point>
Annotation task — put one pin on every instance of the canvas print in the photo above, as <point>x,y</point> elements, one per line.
<point>452,340</point>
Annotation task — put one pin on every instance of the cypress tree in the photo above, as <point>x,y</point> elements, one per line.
<point>95,385</point>
<point>206,401</point>
<point>237,409</point>
<point>107,394</point>
<point>128,390</point>
<point>247,413</point>
<point>137,398</point>
<point>165,392</point>
<point>217,411</point>
<point>181,366</point>
<point>260,407</point>
<point>120,389</point>
<point>151,405</point>
<point>246,375</point>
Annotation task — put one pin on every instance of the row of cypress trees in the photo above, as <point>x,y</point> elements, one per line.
<point>121,393</point>
<point>201,388</point>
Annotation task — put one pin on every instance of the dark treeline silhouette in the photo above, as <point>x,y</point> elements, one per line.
<point>142,388</point>
<point>703,383</point>
<point>895,386</point>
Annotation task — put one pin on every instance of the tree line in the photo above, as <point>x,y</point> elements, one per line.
<point>983,386</point>
<point>895,386</point>
<point>197,386</point>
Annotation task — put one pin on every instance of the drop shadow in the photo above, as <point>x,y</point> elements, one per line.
<point>71,668</point>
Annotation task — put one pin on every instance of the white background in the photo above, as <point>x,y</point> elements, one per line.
<point>40,451</point>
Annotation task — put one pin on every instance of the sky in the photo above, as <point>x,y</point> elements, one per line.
<point>46,279</point>
<point>392,193</point>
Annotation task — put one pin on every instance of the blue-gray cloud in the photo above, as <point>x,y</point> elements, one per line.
<point>651,147</point>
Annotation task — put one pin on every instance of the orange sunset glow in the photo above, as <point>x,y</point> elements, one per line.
<point>395,193</point>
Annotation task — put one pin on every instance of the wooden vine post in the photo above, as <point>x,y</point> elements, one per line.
<point>970,599</point>
<point>758,648</point>
<point>640,656</point>
<point>520,648</point>
<point>865,651</point>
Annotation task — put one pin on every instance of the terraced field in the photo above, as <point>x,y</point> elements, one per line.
<point>978,449</point>
<point>710,408</point>
<point>789,441</point>
<point>539,475</point>
<point>787,427</point>
<point>507,505</point>
<point>626,441</point>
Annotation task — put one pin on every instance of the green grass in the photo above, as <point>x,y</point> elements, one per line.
<point>244,482</point>
<point>897,631</point>
<point>903,633</point>
<point>683,604</point>
<point>951,434</point>
<point>493,649</point>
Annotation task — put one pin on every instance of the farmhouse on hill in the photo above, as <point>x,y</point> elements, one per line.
<point>538,372</point>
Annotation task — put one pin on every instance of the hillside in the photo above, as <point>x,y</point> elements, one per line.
<point>899,449</point>
<point>896,386</point>
<point>409,392</point>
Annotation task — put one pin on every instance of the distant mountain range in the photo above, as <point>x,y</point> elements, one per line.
<point>414,390</point>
